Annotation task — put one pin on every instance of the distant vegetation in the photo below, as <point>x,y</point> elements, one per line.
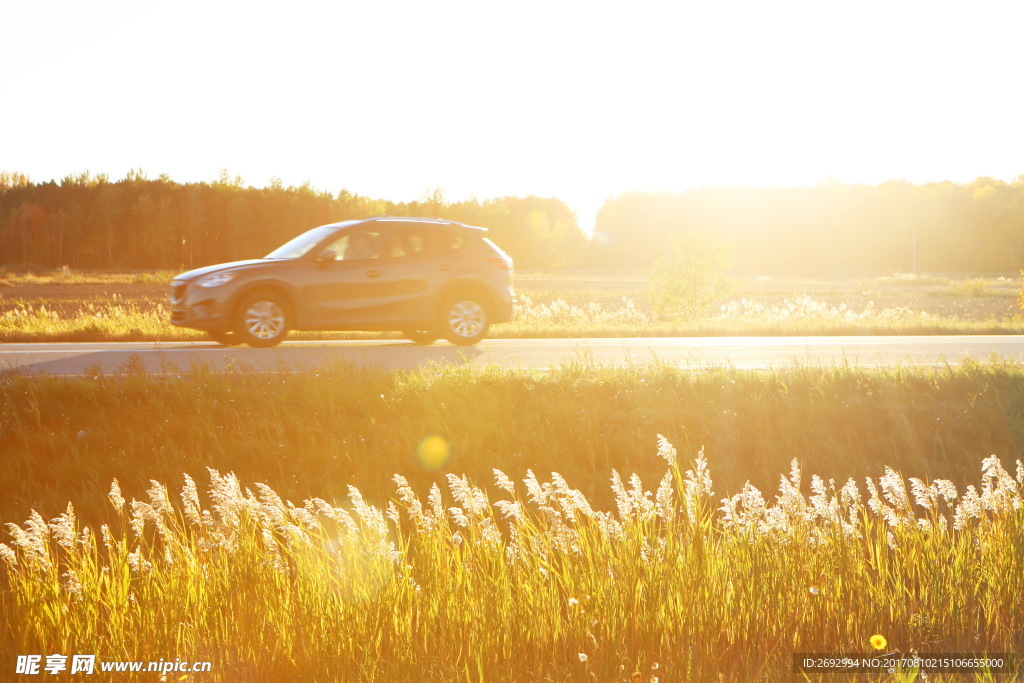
<point>89,221</point>
<point>830,229</point>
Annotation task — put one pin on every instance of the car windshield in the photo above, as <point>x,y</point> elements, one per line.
<point>300,246</point>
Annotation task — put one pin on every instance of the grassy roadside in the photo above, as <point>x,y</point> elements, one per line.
<point>569,577</point>
<point>313,434</point>
<point>72,306</point>
<point>804,316</point>
<point>11,277</point>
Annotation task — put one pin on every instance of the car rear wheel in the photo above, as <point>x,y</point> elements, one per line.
<point>464,319</point>
<point>421,336</point>
<point>263,320</point>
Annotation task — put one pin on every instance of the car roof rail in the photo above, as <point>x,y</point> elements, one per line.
<point>426,220</point>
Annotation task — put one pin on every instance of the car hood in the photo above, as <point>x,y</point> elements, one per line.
<point>206,270</point>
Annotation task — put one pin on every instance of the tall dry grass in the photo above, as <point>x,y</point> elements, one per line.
<point>527,580</point>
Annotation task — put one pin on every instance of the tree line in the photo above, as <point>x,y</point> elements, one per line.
<point>89,221</point>
<point>830,229</point>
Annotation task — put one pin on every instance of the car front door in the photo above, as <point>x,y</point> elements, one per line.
<point>375,275</point>
<point>351,282</point>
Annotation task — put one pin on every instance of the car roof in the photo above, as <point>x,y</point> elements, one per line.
<point>406,219</point>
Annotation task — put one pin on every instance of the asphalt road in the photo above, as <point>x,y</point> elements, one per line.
<point>83,359</point>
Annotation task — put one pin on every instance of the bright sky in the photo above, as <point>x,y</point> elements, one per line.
<point>579,100</point>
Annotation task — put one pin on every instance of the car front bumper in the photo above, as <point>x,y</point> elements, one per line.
<point>197,308</point>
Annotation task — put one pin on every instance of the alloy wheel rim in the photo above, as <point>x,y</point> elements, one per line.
<point>466,318</point>
<point>264,320</point>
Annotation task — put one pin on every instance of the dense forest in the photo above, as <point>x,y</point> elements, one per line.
<point>89,221</point>
<point>830,229</point>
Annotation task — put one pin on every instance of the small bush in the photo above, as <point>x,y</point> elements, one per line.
<point>690,281</point>
<point>972,288</point>
<point>1018,305</point>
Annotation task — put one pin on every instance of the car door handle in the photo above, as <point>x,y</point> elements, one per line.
<point>445,266</point>
<point>373,273</point>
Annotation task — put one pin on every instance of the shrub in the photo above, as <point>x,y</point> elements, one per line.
<point>690,281</point>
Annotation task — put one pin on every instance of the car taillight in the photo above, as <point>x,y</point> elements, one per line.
<point>503,262</point>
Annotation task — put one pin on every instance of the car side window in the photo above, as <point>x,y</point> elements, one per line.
<point>339,246</point>
<point>359,245</point>
<point>391,244</point>
<point>414,240</point>
<point>362,245</point>
<point>449,243</point>
<point>395,241</point>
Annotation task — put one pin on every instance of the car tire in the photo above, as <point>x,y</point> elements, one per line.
<point>464,319</point>
<point>422,337</point>
<point>223,337</point>
<point>263,319</point>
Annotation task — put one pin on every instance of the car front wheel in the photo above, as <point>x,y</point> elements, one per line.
<point>263,320</point>
<point>464,319</point>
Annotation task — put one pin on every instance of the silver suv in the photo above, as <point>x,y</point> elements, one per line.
<point>425,277</point>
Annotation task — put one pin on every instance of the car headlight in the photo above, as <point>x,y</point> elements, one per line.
<point>215,279</point>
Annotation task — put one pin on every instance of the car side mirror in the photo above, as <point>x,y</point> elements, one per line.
<point>326,256</point>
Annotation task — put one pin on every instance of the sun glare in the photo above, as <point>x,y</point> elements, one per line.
<point>433,452</point>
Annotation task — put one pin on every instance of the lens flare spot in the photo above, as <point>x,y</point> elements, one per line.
<point>433,452</point>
